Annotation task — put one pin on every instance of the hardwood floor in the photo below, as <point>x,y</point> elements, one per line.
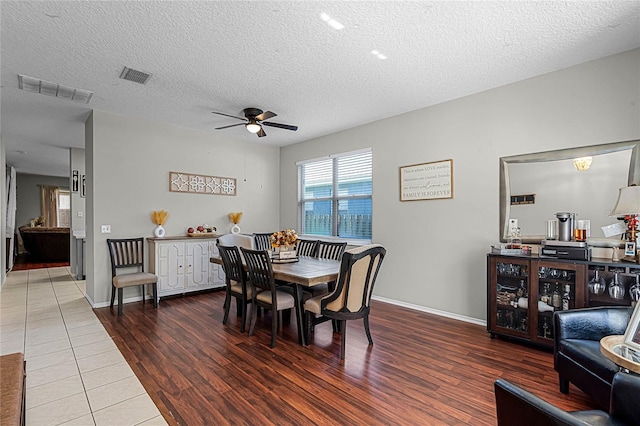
<point>422,368</point>
<point>24,262</point>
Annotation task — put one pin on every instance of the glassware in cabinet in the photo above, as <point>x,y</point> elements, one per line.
<point>509,288</point>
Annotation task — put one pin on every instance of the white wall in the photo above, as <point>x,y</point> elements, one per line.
<point>78,207</point>
<point>436,250</point>
<point>128,163</point>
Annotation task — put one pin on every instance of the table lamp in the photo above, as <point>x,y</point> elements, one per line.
<point>628,205</point>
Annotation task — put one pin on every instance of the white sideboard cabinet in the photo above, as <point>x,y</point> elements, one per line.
<point>182,264</point>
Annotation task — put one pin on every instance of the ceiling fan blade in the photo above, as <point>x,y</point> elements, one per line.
<point>231,125</point>
<point>227,115</point>
<point>261,133</point>
<point>265,115</point>
<point>280,125</point>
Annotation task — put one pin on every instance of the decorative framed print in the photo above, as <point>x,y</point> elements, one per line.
<point>632,334</point>
<point>74,181</point>
<point>426,181</point>
<point>201,184</point>
<point>630,248</point>
<point>83,186</point>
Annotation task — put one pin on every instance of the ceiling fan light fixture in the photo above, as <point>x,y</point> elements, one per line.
<point>253,127</point>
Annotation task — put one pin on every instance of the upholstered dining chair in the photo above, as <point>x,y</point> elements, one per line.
<point>265,294</point>
<point>263,241</point>
<point>238,240</point>
<point>352,295</point>
<point>236,283</point>
<point>307,248</point>
<point>128,255</point>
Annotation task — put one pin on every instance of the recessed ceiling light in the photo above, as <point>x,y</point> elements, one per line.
<point>331,22</point>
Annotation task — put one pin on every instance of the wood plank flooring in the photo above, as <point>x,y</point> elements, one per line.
<point>422,368</point>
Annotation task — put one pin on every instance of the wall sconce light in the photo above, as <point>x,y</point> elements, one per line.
<point>583,163</point>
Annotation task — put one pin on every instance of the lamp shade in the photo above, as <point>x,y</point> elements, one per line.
<point>628,202</point>
<point>253,127</point>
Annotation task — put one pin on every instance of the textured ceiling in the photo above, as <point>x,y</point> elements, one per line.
<point>279,56</point>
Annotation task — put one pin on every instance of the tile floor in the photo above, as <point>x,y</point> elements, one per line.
<point>75,373</point>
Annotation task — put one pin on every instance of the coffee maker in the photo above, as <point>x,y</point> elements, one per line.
<point>565,246</point>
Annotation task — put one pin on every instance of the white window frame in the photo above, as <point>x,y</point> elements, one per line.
<point>335,198</point>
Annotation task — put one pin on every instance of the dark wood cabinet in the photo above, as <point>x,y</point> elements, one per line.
<point>523,292</point>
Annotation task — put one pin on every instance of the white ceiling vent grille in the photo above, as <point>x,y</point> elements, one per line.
<point>135,75</point>
<point>35,85</point>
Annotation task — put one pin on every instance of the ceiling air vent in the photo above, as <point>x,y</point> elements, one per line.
<point>35,85</point>
<point>135,75</point>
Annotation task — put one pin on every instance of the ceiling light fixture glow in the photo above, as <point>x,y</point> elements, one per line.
<point>331,22</point>
<point>377,54</point>
<point>253,127</point>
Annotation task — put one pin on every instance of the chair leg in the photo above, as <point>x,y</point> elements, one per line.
<point>113,296</point>
<point>144,296</point>
<point>120,301</point>
<point>564,385</point>
<point>226,307</point>
<point>243,308</point>
<point>343,338</point>
<point>274,328</point>
<point>308,326</point>
<point>366,328</point>
<point>254,315</point>
<point>155,295</point>
<point>238,306</point>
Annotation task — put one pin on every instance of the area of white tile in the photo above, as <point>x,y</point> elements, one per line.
<point>75,373</point>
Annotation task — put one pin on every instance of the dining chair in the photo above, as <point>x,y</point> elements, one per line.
<point>236,283</point>
<point>263,241</point>
<point>128,255</point>
<point>327,250</point>
<point>307,248</point>
<point>351,298</point>
<point>238,240</point>
<point>330,250</point>
<point>265,294</point>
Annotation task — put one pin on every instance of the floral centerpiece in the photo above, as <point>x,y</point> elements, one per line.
<point>287,238</point>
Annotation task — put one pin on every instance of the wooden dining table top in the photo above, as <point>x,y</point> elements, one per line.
<point>307,271</point>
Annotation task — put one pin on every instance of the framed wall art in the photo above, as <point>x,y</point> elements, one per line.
<point>201,184</point>
<point>426,181</point>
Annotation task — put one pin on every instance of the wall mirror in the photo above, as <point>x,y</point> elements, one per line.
<point>558,186</point>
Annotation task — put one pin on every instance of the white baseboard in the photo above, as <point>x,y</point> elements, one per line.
<point>431,311</point>
<point>124,301</point>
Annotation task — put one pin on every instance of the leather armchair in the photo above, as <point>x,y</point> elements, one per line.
<point>516,406</point>
<point>576,354</point>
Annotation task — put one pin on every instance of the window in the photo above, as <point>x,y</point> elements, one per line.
<point>334,195</point>
<point>64,208</point>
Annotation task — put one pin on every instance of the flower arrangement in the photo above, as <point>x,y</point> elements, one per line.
<point>284,238</point>
<point>159,217</point>
<point>235,217</point>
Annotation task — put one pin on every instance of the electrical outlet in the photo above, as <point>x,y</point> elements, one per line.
<point>513,225</point>
<point>106,229</point>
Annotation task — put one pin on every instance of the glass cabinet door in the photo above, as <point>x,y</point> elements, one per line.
<point>559,287</point>
<point>613,285</point>
<point>509,293</point>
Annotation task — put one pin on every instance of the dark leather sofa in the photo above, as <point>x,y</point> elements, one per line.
<point>516,406</point>
<point>46,244</point>
<point>576,355</point>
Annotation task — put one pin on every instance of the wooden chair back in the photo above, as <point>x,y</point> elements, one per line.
<point>307,248</point>
<point>126,253</point>
<point>329,250</point>
<point>263,241</point>
<point>232,264</point>
<point>260,271</point>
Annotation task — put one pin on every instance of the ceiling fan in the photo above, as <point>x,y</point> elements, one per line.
<point>254,120</point>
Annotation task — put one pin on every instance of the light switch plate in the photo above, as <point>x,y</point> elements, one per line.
<point>106,229</point>
<point>513,225</point>
<point>80,214</point>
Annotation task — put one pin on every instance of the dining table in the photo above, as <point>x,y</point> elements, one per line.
<point>303,272</point>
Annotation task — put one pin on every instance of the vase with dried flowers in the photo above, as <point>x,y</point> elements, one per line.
<point>283,242</point>
<point>159,217</point>
<point>235,219</point>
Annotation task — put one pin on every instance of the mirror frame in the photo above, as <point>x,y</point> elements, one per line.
<point>561,154</point>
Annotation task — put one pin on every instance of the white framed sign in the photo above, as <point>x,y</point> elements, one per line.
<point>426,181</point>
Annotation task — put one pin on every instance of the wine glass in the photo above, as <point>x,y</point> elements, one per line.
<point>634,291</point>
<point>616,289</point>
<point>597,284</point>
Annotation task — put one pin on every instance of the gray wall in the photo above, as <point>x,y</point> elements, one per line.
<point>436,256</point>
<point>3,222</point>
<point>128,163</point>
<point>28,195</point>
